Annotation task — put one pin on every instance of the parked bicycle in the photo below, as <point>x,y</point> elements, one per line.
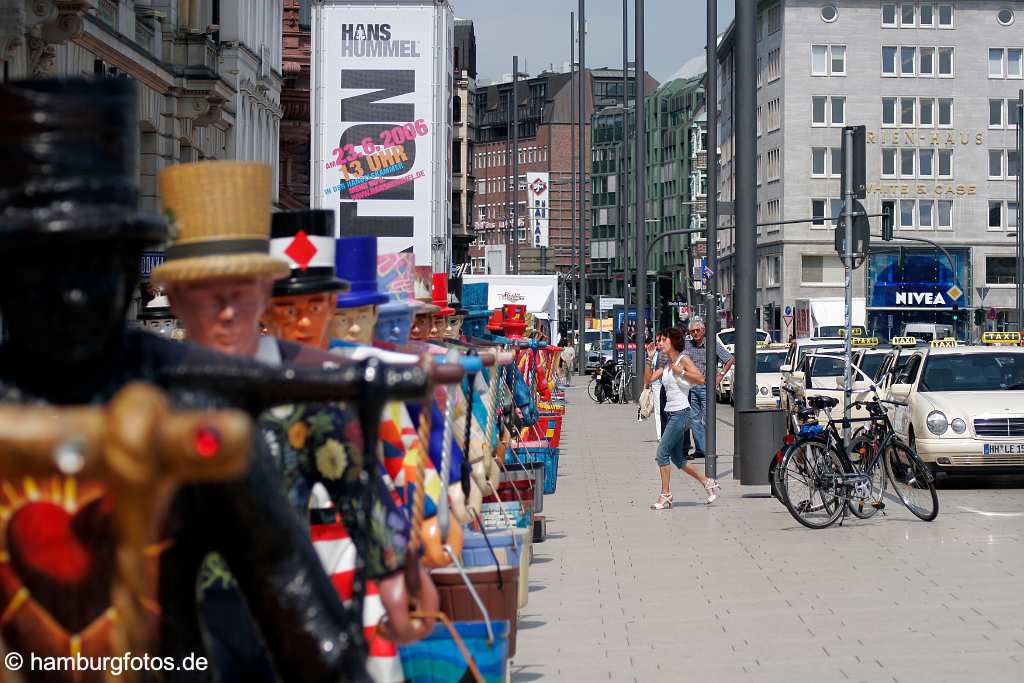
<point>819,480</point>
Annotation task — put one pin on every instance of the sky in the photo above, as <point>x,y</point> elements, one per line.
<point>538,31</point>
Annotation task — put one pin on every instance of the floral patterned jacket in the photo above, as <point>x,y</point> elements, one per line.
<point>323,443</point>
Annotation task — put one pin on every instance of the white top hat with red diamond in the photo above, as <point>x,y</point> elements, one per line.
<point>305,239</point>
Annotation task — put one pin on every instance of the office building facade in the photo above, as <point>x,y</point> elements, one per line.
<point>936,86</point>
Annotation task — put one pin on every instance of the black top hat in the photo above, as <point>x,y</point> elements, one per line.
<point>70,149</point>
<point>305,239</point>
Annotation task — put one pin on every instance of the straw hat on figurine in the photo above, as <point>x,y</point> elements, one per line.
<point>220,222</point>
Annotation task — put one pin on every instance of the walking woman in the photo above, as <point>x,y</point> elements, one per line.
<point>676,380</point>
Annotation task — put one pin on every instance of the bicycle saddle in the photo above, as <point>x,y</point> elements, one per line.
<point>822,402</point>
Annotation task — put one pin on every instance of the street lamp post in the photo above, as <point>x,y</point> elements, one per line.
<point>581,33</point>
<point>711,242</point>
<point>1020,211</point>
<point>640,178</point>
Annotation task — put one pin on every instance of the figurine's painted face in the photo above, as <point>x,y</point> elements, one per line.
<point>222,314</point>
<point>393,326</point>
<point>71,313</point>
<point>437,326</point>
<point>354,324</point>
<point>422,323</point>
<point>475,326</point>
<point>454,329</point>
<point>301,318</point>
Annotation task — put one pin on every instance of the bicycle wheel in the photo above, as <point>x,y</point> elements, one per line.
<point>912,480</point>
<point>809,483</point>
<point>865,502</point>
<point>592,391</point>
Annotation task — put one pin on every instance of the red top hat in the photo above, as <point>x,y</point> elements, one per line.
<point>515,320</point>
<point>440,295</point>
<point>495,324</point>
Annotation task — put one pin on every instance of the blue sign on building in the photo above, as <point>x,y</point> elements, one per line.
<point>918,279</point>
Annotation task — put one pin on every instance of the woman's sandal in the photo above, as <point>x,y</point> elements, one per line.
<point>664,502</point>
<point>711,487</point>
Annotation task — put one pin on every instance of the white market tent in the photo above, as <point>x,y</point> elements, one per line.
<point>539,293</point>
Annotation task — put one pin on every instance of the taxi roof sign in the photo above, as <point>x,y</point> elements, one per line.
<point>864,341</point>
<point>778,345</point>
<point>1011,338</point>
<point>903,341</point>
<point>947,343</point>
<point>855,331</point>
<point>762,344</point>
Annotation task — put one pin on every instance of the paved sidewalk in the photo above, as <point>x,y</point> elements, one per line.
<point>739,591</point>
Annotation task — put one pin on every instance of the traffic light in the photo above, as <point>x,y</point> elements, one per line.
<point>956,313</point>
<point>979,317</point>
<point>887,222</point>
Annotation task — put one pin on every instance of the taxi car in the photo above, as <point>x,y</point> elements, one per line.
<point>965,411</point>
<point>768,378</point>
<point>727,338</point>
<point>792,369</point>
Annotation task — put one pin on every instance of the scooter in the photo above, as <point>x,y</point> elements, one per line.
<point>605,388</point>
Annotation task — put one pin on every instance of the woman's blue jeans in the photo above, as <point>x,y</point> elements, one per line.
<point>670,448</point>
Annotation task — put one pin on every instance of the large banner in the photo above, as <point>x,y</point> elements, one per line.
<point>382,123</point>
<point>538,189</point>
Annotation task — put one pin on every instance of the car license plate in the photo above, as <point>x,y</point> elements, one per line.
<point>1004,449</point>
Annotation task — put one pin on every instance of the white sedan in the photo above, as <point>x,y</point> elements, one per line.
<point>965,409</point>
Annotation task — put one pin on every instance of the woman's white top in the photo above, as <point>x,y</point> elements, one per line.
<point>677,389</point>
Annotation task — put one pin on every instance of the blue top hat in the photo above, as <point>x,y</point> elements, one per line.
<point>356,262</point>
<point>474,298</point>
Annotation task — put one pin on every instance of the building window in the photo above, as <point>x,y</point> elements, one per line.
<point>838,110</point>
<point>1004,62</point>
<point>946,112</point>
<point>1002,215</point>
<point>818,162</point>
<point>946,62</point>
<point>995,164</point>
<point>908,15</point>
<point>1000,270</point>
<point>945,16</point>
<point>908,109</point>
<point>774,271</point>
<point>888,60</point>
<point>927,16</point>
<point>926,61</point>
<point>925,163</point>
<point>829,13</point>
<point>828,60</point>
<point>907,157</point>
<point>1012,164</point>
<point>945,163</point>
<point>889,14</point>
<point>945,207</point>
<point>837,162</point>
<point>995,215</point>
<point>925,217</point>
<point>889,162</point>
<point>906,214</point>
<point>822,270</point>
<point>995,113</point>
<point>818,212</point>
<point>926,107</point>
<point>907,59</point>
<point>1005,16</point>
<point>888,112</point>
<point>774,63</point>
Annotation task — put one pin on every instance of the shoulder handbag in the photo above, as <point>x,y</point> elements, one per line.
<point>646,403</point>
